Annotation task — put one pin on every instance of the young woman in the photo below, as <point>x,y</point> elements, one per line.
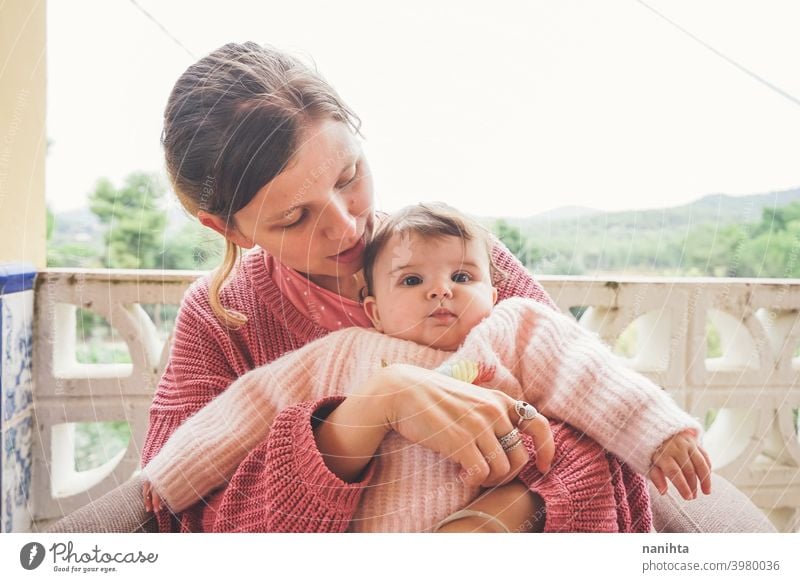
<point>262,150</point>
<point>431,298</point>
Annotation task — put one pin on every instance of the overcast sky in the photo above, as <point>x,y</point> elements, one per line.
<point>509,110</point>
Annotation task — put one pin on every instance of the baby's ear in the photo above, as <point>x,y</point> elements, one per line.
<point>371,309</point>
<point>494,295</point>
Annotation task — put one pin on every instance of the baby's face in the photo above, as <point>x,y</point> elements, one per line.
<point>430,291</point>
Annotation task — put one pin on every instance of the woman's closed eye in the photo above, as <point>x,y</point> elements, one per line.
<point>295,217</point>
<point>352,178</point>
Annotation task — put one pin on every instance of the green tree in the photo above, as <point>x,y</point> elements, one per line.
<point>193,247</point>
<point>51,222</point>
<point>516,242</point>
<point>74,254</point>
<point>134,219</point>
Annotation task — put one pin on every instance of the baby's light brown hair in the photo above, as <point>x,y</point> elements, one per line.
<point>430,220</point>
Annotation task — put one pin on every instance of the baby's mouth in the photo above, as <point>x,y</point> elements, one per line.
<point>442,314</point>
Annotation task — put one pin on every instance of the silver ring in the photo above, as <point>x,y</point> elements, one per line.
<point>526,411</point>
<point>510,448</point>
<point>509,439</point>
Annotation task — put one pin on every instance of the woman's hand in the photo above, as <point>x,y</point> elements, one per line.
<point>460,421</point>
<point>152,502</point>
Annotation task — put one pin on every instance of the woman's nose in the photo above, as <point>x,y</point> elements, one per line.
<point>340,224</point>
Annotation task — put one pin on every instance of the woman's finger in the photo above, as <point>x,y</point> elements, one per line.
<point>539,428</point>
<point>146,495</point>
<point>474,467</point>
<point>496,458</point>
<point>519,458</point>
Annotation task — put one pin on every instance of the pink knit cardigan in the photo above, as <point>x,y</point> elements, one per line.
<point>283,484</point>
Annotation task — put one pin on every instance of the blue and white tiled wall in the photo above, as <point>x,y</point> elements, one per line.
<point>16,394</point>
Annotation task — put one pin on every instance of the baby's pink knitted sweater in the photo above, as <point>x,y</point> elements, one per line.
<point>533,353</point>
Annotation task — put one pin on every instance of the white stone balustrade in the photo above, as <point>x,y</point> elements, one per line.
<point>752,387</point>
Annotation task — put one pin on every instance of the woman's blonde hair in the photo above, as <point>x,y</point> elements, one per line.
<point>231,125</point>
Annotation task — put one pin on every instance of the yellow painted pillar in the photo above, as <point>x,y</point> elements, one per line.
<point>23,138</point>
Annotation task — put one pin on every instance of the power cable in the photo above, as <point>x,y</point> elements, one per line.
<point>742,68</point>
<point>163,29</point>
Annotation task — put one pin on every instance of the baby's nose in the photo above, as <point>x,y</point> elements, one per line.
<point>440,292</point>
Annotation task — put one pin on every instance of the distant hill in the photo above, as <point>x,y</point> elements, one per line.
<point>714,208</point>
<point>679,240</point>
<point>572,240</point>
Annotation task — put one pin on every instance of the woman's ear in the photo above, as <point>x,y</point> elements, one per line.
<point>228,230</point>
<point>371,309</point>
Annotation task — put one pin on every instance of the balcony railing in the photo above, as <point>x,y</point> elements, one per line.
<point>750,388</point>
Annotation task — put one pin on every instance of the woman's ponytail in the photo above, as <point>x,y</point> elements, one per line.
<point>230,318</point>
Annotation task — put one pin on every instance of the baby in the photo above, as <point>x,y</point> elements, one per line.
<point>430,282</point>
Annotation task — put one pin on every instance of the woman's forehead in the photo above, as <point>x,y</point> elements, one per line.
<point>321,148</point>
<point>324,151</point>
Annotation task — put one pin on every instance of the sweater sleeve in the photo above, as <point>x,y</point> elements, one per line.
<point>203,453</point>
<point>284,486</point>
<point>206,450</point>
<point>569,374</point>
<point>200,367</point>
<point>205,359</point>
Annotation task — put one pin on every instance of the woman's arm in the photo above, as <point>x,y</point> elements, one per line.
<point>512,508</point>
<point>517,281</point>
<point>199,369</point>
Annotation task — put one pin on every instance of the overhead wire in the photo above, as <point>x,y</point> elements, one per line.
<point>163,28</point>
<point>723,56</point>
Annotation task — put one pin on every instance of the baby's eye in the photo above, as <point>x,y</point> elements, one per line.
<point>462,277</point>
<point>411,280</point>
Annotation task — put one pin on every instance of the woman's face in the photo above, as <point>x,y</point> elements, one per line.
<point>315,215</point>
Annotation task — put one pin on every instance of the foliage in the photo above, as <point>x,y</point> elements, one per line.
<point>516,243</point>
<point>652,244</point>
<point>193,247</point>
<point>97,442</point>
<point>134,219</point>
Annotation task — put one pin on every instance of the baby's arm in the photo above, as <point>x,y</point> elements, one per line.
<point>571,375</point>
<point>509,508</point>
